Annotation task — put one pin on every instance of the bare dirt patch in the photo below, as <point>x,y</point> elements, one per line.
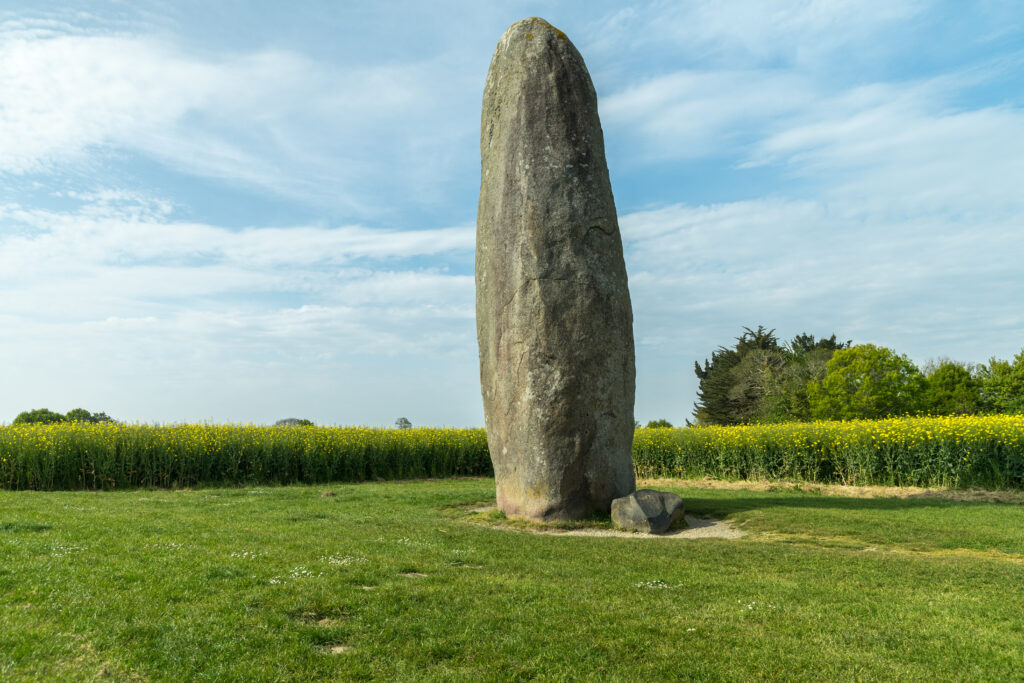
<point>960,495</point>
<point>696,527</point>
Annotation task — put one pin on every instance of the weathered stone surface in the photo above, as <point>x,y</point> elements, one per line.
<point>647,510</point>
<point>554,321</point>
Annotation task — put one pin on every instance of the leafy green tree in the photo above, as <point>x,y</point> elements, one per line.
<point>1002,385</point>
<point>806,357</point>
<point>867,382</point>
<point>38,416</point>
<point>659,424</point>
<point>952,389</point>
<point>83,415</point>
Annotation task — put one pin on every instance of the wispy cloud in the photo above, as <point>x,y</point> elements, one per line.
<point>273,119</point>
<point>741,34</point>
<point>694,114</point>
<point>904,148</point>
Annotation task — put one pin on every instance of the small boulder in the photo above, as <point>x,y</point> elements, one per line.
<point>646,510</point>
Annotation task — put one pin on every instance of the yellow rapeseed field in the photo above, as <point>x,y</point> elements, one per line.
<point>921,451</point>
<point>109,455</point>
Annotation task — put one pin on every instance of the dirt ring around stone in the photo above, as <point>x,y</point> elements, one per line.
<point>696,527</point>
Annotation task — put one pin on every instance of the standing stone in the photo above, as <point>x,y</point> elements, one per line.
<point>554,321</point>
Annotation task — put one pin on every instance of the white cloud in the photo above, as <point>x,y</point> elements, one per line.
<point>692,114</point>
<point>120,256</point>
<point>906,152</point>
<point>63,94</point>
<point>833,268</point>
<point>743,33</point>
<point>118,293</point>
<point>274,118</point>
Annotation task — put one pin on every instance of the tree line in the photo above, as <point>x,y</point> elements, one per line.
<point>760,379</point>
<point>46,416</point>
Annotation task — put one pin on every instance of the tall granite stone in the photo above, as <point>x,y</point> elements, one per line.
<point>554,321</point>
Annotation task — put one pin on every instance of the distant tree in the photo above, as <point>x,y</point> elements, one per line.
<point>83,415</point>
<point>951,389</point>
<point>659,424</point>
<point>867,382</point>
<point>1002,385</point>
<point>403,423</point>
<point>294,422</point>
<point>38,416</point>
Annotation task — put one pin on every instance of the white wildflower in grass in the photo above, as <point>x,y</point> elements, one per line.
<point>248,555</point>
<point>690,630</point>
<point>58,550</point>
<point>295,574</point>
<point>411,542</point>
<point>172,545</point>
<point>754,606</point>
<point>657,583</point>
<point>303,573</point>
<point>344,560</point>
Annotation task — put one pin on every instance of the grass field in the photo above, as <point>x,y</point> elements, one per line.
<point>390,581</point>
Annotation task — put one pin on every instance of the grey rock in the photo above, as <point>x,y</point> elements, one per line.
<point>554,320</point>
<point>647,510</point>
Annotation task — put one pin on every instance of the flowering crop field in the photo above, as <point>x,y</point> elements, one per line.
<point>932,451</point>
<point>108,455</point>
<point>921,451</point>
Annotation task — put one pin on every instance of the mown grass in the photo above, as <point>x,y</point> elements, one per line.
<point>240,584</point>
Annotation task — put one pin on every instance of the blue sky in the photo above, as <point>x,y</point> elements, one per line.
<point>243,211</point>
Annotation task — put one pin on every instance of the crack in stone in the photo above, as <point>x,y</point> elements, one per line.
<point>521,287</point>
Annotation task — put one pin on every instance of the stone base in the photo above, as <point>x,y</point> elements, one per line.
<point>647,510</point>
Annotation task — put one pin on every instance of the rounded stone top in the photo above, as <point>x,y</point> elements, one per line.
<point>532,27</point>
<point>531,30</point>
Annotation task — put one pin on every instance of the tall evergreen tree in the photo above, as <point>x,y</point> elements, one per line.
<point>726,393</point>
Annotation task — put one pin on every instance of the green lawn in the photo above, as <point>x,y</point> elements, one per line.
<point>261,584</point>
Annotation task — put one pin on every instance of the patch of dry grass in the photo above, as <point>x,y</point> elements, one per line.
<point>903,492</point>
